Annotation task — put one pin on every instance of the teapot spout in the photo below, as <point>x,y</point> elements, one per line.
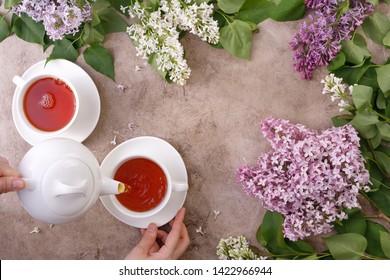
<point>110,186</point>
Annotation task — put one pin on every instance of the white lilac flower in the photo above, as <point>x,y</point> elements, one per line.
<point>309,177</point>
<point>216,213</point>
<point>35,230</point>
<point>337,90</point>
<point>121,87</point>
<point>236,248</point>
<point>200,231</point>
<point>157,33</point>
<point>59,18</point>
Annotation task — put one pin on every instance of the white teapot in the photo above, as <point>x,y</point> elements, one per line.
<point>63,181</point>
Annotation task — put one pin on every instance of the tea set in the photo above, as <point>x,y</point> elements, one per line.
<point>63,177</point>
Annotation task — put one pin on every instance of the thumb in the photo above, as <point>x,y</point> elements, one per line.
<point>8,184</point>
<point>148,238</point>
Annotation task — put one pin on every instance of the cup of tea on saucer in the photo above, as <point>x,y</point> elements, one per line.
<point>46,103</point>
<point>156,179</point>
<point>149,186</point>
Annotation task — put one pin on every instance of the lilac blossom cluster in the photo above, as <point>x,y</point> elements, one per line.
<point>319,41</point>
<point>309,177</point>
<point>236,248</point>
<point>158,33</point>
<point>60,17</point>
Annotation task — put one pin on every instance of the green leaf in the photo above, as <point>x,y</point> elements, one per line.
<point>364,122</point>
<point>151,5</point>
<point>100,6</point>
<point>236,38</point>
<point>386,40</point>
<point>367,131</point>
<point>383,75</point>
<point>9,3</point>
<point>384,149</point>
<point>118,3</point>
<point>376,176</point>
<point>384,130</point>
<point>387,112</point>
<point>95,19</point>
<point>311,257</point>
<point>91,35</point>
<point>63,49</point>
<point>373,239</point>
<point>100,59</point>
<point>352,75</point>
<point>376,140</point>
<point>384,238</point>
<point>361,96</point>
<point>384,162</point>
<point>364,118</point>
<point>230,6</point>
<point>380,100</point>
<point>361,42</point>
<point>356,223</point>
<point>300,246</point>
<point>381,199</point>
<point>376,27</point>
<point>337,62</point>
<point>288,10</point>
<point>5,29</point>
<point>373,2</point>
<point>347,246</point>
<point>355,50</point>
<point>113,22</point>
<point>255,10</point>
<point>27,29</point>
<point>341,120</point>
<point>153,62</point>
<point>270,234</point>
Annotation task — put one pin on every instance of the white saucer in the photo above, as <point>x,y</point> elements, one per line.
<point>89,101</point>
<point>163,152</point>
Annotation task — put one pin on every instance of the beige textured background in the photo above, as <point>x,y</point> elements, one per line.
<point>213,122</point>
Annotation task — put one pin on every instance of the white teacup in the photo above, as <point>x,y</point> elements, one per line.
<point>171,186</point>
<point>20,94</point>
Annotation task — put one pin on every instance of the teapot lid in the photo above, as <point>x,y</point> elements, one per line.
<point>62,177</point>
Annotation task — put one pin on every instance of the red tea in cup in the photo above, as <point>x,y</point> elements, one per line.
<point>147,181</point>
<point>49,104</point>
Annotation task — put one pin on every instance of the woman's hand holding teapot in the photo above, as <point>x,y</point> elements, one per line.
<point>9,177</point>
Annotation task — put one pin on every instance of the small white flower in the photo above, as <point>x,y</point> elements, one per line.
<point>35,230</point>
<point>121,87</point>
<point>157,33</point>
<point>137,68</point>
<point>131,126</point>
<point>113,142</point>
<point>335,87</point>
<point>200,231</point>
<point>216,213</point>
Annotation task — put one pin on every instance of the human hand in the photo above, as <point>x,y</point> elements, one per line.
<point>175,242</point>
<point>9,180</point>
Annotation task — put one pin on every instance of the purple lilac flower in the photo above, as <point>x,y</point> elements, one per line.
<point>309,177</point>
<point>60,17</point>
<point>319,41</point>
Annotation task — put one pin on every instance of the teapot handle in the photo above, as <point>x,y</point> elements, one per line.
<point>30,184</point>
<point>61,188</point>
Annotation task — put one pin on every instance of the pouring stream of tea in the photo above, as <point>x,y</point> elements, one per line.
<point>123,188</point>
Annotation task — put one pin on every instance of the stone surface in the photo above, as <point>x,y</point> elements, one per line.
<point>213,122</point>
